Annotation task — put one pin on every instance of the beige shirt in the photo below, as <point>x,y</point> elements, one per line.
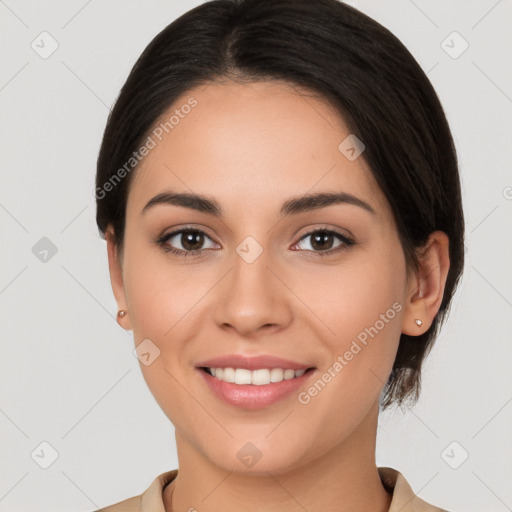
<point>404,499</point>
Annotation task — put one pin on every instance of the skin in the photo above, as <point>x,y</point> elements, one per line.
<point>251,147</point>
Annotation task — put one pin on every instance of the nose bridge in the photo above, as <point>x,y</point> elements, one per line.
<point>252,295</point>
<point>251,278</point>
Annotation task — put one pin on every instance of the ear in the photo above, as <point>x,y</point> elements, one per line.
<point>116,278</point>
<point>426,287</point>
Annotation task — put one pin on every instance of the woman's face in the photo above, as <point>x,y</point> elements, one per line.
<point>255,283</point>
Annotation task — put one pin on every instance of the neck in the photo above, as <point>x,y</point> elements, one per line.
<point>346,478</point>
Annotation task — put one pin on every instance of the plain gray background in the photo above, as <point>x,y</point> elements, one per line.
<point>68,376</point>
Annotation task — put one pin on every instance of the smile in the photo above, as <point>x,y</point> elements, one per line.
<point>253,389</point>
<point>258,377</point>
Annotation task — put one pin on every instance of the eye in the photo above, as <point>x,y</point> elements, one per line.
<point>190,241</point>
<point>322,241</point>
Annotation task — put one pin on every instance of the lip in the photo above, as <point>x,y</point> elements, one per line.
<point>250,396</point>
<point>253,362</point>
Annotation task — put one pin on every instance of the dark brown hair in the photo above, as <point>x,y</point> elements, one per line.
<point>343,56</point>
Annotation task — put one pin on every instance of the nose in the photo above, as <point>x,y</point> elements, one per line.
<point>253,298</point>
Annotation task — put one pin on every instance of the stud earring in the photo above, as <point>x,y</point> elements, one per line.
<point>121,313</point>
<point>419,323</point>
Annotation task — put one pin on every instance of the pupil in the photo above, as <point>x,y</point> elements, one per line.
<point>319,241</point>
<point>187,240</point>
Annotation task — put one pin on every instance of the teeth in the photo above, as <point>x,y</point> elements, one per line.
<point>257,377</point>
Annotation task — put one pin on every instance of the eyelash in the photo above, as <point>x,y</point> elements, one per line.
<point>347,242</point>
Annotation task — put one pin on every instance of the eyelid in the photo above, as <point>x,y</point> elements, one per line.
<point>196,227</point>
<point>327,227</point>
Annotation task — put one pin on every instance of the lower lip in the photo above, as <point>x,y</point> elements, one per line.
<point>251,396</point>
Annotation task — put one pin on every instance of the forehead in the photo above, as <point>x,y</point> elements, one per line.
<point>251,145</point>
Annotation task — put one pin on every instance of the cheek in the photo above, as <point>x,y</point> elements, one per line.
<point>360,305</point>
<point>160,294</point>
<point>345,298</point>
<point>363,315</point>
<point>167,306</point>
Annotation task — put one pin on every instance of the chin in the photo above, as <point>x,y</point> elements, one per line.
<point>253,459</point>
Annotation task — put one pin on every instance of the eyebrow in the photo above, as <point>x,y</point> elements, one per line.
<point>292,206</point>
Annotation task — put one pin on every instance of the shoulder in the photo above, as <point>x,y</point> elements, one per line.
<point>150,500</point>
<point>128,505</point>
<point>404,498</point>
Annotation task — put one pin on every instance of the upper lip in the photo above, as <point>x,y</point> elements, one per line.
<point>253,362</point>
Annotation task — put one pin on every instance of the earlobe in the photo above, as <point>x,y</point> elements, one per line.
<point>426,290</point>
<point>116,279</point>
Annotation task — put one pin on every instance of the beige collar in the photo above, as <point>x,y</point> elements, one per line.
<point>404,499</point>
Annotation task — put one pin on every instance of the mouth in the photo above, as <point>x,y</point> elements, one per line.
<point>256,377</point>
<point>253,383</point>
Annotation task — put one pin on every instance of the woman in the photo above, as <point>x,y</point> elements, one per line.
<point>279,192</point>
